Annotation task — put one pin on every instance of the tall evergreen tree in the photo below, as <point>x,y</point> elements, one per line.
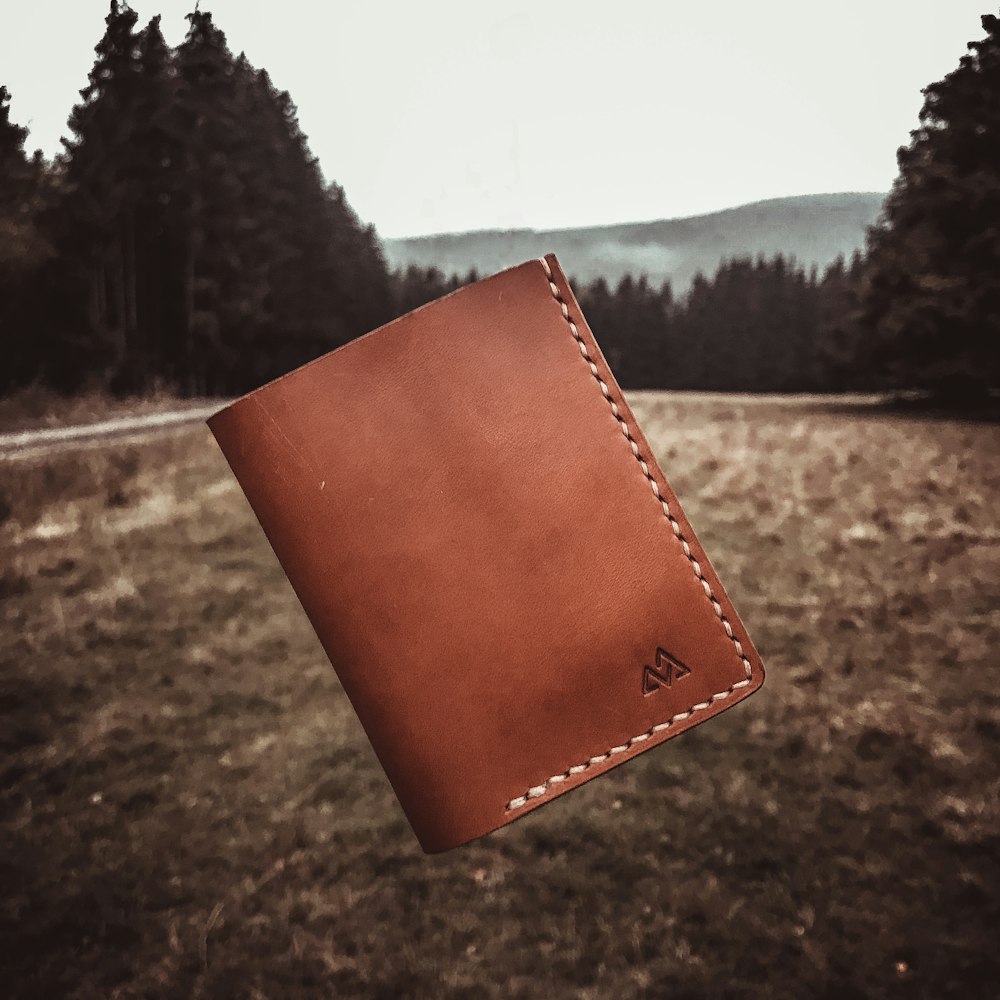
<point>24,249</point>
<point>843,360</point>
<point>157,150</point>
<point>17,185</point>
<point>100,235</point>
<point>931,291</point>
<point>211,209</point>
<point>277,267</point>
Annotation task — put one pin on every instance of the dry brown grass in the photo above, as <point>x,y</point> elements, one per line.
<point>189,807</point>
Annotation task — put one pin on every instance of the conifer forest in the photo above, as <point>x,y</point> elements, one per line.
<point>186,239</point>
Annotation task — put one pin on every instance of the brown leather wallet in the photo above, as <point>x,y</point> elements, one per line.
<point>482,539</point>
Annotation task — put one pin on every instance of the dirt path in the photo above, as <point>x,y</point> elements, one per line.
<point>18,443</point>
<point>46,439</point>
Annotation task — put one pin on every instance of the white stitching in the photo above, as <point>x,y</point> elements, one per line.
<point>538,790</point>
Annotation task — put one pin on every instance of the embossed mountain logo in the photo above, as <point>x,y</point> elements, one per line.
<point>667,670</point>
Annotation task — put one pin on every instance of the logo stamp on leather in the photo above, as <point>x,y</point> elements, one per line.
<point>667,670</point>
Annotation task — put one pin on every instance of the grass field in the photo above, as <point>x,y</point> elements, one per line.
<point>188,806</point>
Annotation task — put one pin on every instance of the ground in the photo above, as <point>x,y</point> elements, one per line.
<point>189,807</point>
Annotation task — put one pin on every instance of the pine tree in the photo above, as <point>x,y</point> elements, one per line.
<point>17,183</point>
<point>24,249</point>
<point>842,339</point>
<point>598,304</point>
<point>101,125</point>
<point>158,149</point>
<point>210,208</point>
<point>277,267</point>
<point>931,290</point>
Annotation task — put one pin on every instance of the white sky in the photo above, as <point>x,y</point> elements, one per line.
<point>443,116</point>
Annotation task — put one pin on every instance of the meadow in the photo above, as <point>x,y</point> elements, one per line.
<point>189,807</point>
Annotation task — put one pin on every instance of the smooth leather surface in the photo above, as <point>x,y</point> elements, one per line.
<point>482,555</point>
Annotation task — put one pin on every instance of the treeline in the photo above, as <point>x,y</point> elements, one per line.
<point>764,325</point>
<point>186,238</point>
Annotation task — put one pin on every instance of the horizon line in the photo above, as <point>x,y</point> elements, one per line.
<point>612,225</point>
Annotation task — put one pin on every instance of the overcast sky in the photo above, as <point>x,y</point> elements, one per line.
<point>442,116</point>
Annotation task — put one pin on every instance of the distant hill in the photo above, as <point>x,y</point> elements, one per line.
<point>812,228</point>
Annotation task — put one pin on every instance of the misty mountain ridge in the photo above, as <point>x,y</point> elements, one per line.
<point>813,229</point>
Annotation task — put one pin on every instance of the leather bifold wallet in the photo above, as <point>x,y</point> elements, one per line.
<point>483,541</point>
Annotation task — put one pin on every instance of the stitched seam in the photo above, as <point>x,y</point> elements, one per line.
<point>538,790</point>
